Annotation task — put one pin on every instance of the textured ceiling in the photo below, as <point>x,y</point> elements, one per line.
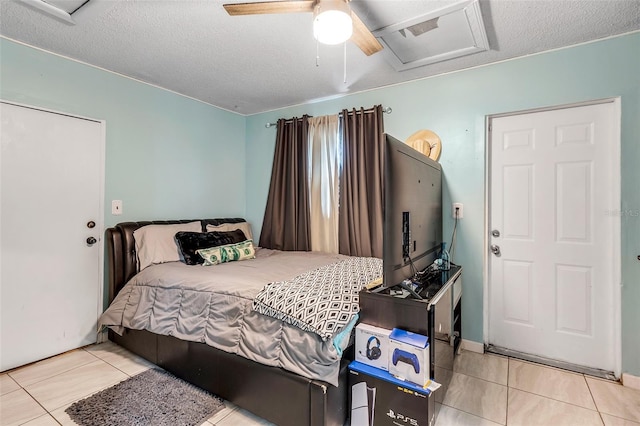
<point>251,64</point>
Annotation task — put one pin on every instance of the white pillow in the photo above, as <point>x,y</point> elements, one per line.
<point>157,244</point>
<point>226,227</point>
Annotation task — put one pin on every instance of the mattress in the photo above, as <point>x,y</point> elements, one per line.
<point>213,305</point>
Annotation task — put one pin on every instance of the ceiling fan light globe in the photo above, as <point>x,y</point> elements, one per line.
<point>332,26</point>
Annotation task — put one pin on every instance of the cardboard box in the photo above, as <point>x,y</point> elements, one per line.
<point>372,346</point>
<point>379,399</point>
<point>409,356</point>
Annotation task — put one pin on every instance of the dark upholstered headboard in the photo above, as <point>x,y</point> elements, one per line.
<point>121,248</point>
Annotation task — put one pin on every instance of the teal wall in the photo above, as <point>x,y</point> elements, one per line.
<point>455,106</point>
<point>165,153</point>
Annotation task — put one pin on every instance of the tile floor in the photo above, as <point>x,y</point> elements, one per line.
<point>484,390</point>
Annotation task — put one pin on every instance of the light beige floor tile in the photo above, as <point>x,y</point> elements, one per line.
<point>478,397</point>
<point>527,409</point>
<point>615,399</point>
<point>550,382</point>
<point>7,384</point>
<point>45,420</point>
<point>244,418</point>
<point>18,407</point>
<point>120,358</point>
<point>102,350</point>
<point>476,394</point>
<point>50,367</point>
<point>610,420</point>
<point>493,368</point>
<point>443,376</point>
<point>62,417</point>
<point>72,385</point>
<point>444,354</point>
<point>228,409</point>
<point>448,416</point>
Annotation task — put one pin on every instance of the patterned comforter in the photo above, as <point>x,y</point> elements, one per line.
<point>322,301</point>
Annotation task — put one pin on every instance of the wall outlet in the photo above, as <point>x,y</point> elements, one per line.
<point>116,207</point>
<point>458,206</point>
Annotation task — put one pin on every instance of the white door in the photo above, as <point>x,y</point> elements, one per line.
<point>553,199</point>
<point>51,168</point>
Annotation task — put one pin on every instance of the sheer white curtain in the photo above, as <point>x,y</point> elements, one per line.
<point>325,154</point>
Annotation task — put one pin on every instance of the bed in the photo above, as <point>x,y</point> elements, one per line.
<point>284,385</point>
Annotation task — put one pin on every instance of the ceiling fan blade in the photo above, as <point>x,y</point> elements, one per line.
<point>363,38</point>
<point>266,7</point>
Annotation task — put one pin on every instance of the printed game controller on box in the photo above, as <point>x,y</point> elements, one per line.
<point>409,356</point>
<point>400,355</point>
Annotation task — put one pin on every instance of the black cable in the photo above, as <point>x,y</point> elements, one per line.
<point>414,273</point>
<point>453,236</point>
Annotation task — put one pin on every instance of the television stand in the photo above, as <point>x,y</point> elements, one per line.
<point>438,315</point>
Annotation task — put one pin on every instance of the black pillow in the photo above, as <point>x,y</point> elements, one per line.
<point>189,242</point>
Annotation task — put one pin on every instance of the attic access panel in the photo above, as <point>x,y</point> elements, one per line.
<point>451,32</point>
<point>68,6</point>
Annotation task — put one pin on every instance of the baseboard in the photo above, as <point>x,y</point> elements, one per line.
<point>631,381</point>
<point>102,337</point>
<point>471,346</point>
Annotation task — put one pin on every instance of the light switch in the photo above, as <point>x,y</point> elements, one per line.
<point>116,207</point>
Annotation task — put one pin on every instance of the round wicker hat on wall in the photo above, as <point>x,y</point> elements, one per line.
<point>426,142</point>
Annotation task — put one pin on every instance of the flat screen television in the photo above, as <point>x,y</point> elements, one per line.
<point>412,211</point>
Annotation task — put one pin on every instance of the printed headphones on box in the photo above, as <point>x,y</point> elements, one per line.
<point>373,352</point>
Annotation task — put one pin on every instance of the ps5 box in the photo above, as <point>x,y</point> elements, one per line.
<point>378,398</point>
<point>409,356</point>
<point>372,345</point>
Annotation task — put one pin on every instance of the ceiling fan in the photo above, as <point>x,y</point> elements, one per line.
<point>355,30</point>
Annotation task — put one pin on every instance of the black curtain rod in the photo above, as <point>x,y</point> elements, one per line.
<point>386,110</point>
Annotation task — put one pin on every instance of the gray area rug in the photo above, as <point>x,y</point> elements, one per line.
<point>154,397</point>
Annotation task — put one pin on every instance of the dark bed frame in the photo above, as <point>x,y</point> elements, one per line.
<point>272,393</point>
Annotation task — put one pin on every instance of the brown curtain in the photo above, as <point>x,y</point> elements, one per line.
<point>361,183</point>
<point>286,218</point>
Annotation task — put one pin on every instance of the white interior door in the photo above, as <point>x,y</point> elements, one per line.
<point>51,169</point>
<point>553,199</point>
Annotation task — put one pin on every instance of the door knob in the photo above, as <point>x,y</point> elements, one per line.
<point>495,233</point>
<point>91,241</point>
<point>495,249</point>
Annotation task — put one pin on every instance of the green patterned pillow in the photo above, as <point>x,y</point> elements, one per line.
<point>228,253</point>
